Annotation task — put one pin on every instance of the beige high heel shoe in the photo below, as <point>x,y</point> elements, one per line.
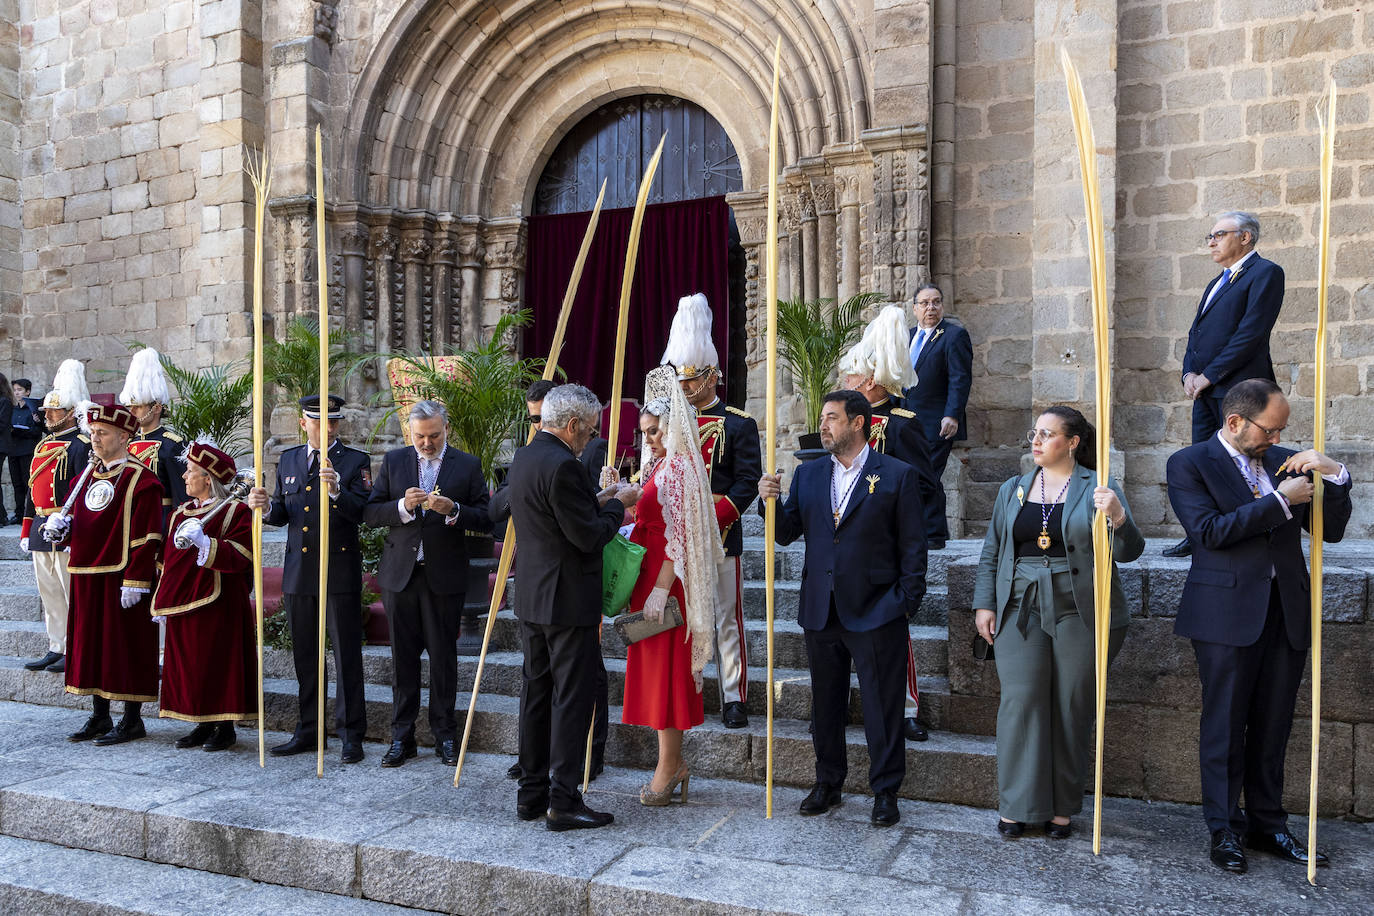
<point>652,799</point>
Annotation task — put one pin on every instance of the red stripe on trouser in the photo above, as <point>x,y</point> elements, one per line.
<point>911,688</point>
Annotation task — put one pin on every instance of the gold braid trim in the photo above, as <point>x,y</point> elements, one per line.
<point>98,692</point>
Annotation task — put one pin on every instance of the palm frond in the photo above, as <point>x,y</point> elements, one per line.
<point>813,336</point>
<point>211,402</point>
<point>292,364</point>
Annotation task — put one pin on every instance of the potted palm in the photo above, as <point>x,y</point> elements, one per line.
<point>813,334</point>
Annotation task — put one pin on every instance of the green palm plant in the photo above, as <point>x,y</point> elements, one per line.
<point>292,364</point>
<point>813,337</point>
<point>484,393</point>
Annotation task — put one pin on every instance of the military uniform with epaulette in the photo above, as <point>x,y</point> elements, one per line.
<point>58,460</point>
<point>158,450</point>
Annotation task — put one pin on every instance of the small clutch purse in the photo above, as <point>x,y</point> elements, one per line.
<point>982,649</point>
<point>633,627</point>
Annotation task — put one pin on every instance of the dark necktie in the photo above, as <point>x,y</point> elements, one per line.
<point>314,466</point>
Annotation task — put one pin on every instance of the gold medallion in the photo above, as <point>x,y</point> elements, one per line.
<point>1043,542</point>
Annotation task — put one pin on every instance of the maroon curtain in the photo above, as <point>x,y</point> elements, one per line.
<point>682,250</point>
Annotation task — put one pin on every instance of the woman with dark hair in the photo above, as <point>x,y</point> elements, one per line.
<point>1033,601</point>
<point>26,428</point>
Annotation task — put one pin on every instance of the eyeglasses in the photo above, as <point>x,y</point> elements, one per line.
<point>927,303</point>
<point>1219,234</point>
<point>1268,433</point>
<point>1044,435</point>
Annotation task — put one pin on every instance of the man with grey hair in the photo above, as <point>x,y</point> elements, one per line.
<point>561,523</point>
<point>429,494</point>
<point>1228,342</point>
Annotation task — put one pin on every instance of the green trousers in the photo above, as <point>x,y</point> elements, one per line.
<point>1045,717</point>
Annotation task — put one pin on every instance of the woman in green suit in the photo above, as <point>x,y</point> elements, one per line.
<point>1033,602</point>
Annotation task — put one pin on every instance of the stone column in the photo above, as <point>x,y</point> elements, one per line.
<point>471,254</point>
<point>383,254</point>
<point>806,206</point>
<point>852,169</point>
<point>942,148</point>
<point>751,218</point>
<point>415,249</point>
<point>441,312</point>
<point>353,242</point>
<point>901,226</point>
<point>504,241</point>
<point>823,194</point>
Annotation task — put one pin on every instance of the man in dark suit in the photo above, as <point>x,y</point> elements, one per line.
<point>1229,339</point>
<point>1244,503</point>
<point>429,495</point>
<point>864,575</point>
<point>295,501</point>
<point>941,355</point>
<point>561,525</point>
<point>26,428</point>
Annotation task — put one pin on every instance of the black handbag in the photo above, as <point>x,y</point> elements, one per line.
<point>982,649</point>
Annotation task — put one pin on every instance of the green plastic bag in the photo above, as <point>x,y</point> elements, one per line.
<point>620,561</point>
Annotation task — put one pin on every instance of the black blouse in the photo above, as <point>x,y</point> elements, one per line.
<point>1026,529</point>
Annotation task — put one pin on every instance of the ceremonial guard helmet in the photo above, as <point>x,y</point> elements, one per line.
<point>146,383</point>
<point>690,349</point>
<point>882,354</point>
<point>69,390</point>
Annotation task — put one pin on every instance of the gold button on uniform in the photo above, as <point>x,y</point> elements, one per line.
<point>305,527</point>
<point>305,550</point>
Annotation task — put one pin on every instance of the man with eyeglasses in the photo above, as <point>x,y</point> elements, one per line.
<point>1245,605</point>
<point>1229,339</point>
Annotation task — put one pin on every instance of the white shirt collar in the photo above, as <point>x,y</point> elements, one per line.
<point>855,466</point>
<point>1241,263</point>
<point>1232,450</point>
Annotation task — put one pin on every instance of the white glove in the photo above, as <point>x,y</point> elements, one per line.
<point>24,544</point>
<point>654,605</point>
<point>129,596</point>
<point>193,532</point>
<point>609,477</point>
<point>56,528</point>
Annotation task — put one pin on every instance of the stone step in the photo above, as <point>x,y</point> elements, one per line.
<point>788,561</point>
<point>20,603</point>
<point>934,609</point>
<point>39,877</point>
<point>16,574</point>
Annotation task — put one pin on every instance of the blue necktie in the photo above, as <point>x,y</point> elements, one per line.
<point>916,351</point>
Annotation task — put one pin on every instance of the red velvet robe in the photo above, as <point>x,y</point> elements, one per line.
<point>112,651</point>
<point>210,667</point>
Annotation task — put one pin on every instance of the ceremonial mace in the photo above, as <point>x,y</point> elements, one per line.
<point>1102,537</point>
<point>1317,523</point>
<point>322,280</point>
<point>508,542</point>
<point>618,376</point>
<point>770,506</point>
<point>260,174</point>
<point>237,491</point>
<point>53,530</point>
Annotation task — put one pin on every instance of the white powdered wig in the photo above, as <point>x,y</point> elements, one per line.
<point>883,353</point>
<point>690,349</point>
<point>69,389</point>
<point>146,382</point>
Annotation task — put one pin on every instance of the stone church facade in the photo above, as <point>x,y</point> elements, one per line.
<point>921,139</point>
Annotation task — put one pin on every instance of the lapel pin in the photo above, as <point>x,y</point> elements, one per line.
<point>872,482</point>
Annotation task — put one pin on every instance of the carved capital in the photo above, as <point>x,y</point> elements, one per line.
<point>415,247</point>
<point>383,245</point>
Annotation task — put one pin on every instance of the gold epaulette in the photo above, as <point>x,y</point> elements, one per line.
<point>168,434</point>
<point>903,412</point>
<point>739,413</point>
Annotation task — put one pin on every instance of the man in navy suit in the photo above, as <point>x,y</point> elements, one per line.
<point>942,357</point>
<point>347,473</point>
<point>1244,503</point>
<point>429,494</point>
<point>864,575</point>
<point>1229,340</point>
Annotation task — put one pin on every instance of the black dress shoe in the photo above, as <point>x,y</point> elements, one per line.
<point>732,715</point>
<point>1226,852</point>
<point>38,664</point>
<point>447,752</point>
<point>1183,548</point>
<point>126,730</point>
<point>885,812</point>
<point>514,772</point>
<point>95,727</point>
<point>352,752</point>
<point>1010,829</point>
<point>1058,831</point>
<point>533,810</point>
<point>935,545</point>
<point>1284,845</point>
<point>398,753</point>
<point>58,666</point>
<point>300,743</point>
<point>915,731</point>
<point>580,818</point>
<point>197,736</point>
<point>224,738</point>
<point>821,799</point>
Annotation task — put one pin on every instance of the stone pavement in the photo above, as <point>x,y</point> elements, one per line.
<point>150,829</point>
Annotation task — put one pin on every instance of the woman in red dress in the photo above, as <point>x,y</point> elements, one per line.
<point>675,523</point>
<point>210,667</point>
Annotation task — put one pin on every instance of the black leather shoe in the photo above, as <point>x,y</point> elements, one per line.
<point>915,731</point>
<point>1226,852</point>
<point>1284,845</point>
<point>300,743</point>
<point>885,812</point>
<point>532,811</point>
<point>352,752</point>
<point>821,799</point>
<point>1010,829</point>
<point>224,738</point>
<point>398,753</point>
<point>732,715</point>
<point>58,666</point>
<point>1183,548</point>
<point>935,545</point>
<point>38,664</point>
<point>95,727</point>
<point>126,730</point>
<point>580,818</point>
<point>514,772</point>
<point>1058,831</point>
<point>447,752</point>
<point>197,736</point>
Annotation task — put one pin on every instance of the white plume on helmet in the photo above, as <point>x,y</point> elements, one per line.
<point>146,382</point>
<point>883,353</point>
<point>69,391</point>
<point>690,349</point>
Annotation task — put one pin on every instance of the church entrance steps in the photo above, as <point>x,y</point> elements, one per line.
<point>142,827</point>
